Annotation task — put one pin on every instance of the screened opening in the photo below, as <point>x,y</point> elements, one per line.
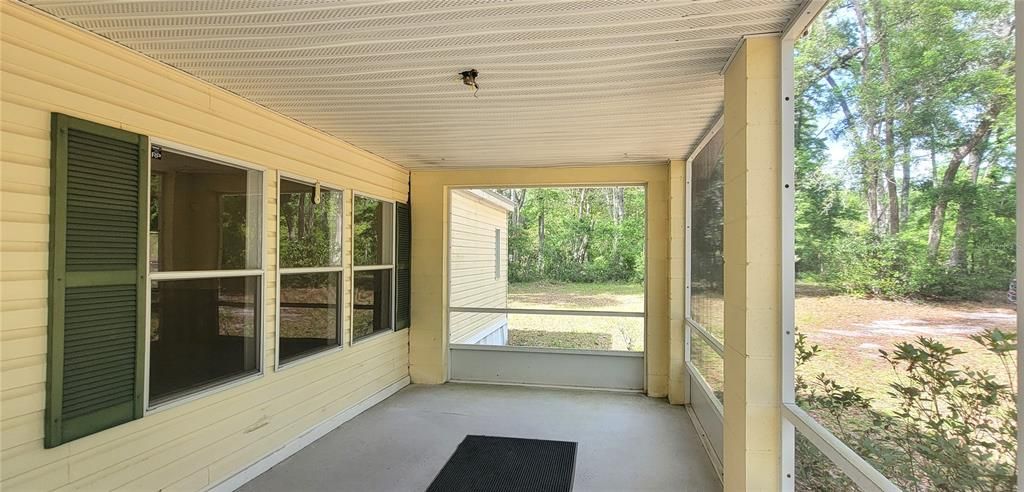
<point>552,268</point>
<point>704,345</point>
<point>905,257</point>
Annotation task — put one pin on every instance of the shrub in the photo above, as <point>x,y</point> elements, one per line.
<point>871,265</point>
<point>953,427</point>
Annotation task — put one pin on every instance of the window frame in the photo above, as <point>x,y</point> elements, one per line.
<point>260,322</point>
<point>339,269</point>
<point>352,340</point>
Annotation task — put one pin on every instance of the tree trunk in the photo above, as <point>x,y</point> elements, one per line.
<point>889,166</point>
<point>540,239</point>
<point>958,255</point>
<point>583,218</point>
<point>905,185</point>
<point>944,194</point>
<point>302,215</point>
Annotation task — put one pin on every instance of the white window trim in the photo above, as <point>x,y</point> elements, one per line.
<point>342,308</point>
<point>260,325</point>
<point>363,268</point>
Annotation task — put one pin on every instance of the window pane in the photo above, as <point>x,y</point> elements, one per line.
<point>203,215</point>
<point>310,232</point>
<point>310,318</point>
<point>707,289</point>
<point>371,310</point>
<point>203,331</point>
<point>709,363</point>
<point>373,227</point>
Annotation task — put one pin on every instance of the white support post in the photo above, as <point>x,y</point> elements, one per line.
<point>788,292</point>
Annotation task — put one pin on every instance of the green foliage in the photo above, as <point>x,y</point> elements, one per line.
<point>309,233</point>
<point>936,77</point>
<point>577,235</point>
<point>368,231</point>
<point>953,427</point>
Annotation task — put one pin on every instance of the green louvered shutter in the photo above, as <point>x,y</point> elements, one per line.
<point>403,261</point>
<point>96,336</point>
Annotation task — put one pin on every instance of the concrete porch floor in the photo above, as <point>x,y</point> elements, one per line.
<point>626,442</point>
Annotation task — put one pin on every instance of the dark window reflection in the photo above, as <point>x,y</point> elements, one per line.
<point>310,233</point>
<point>203,331</point>
<point>372,230</point>
<point>309,313</point>
<point>372,304</point>
<point>203,215</point>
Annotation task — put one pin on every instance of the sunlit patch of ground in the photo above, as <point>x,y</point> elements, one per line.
<point>851,331</point>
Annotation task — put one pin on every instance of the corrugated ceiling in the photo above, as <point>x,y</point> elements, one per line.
<point>561,82</point>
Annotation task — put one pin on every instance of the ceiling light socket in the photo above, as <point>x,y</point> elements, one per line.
<point>469,78</point>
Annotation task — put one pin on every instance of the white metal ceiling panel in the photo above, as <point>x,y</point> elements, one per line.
<point>569,82</point>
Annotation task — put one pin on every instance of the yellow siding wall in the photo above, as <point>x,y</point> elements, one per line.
<point>50,66</point>
<point>473,283</point>
<point>428,342</point>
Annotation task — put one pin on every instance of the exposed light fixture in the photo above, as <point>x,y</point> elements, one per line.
<point>469,78</point>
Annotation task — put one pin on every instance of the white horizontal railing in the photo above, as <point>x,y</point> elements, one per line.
<point>861,472</point>
<point>545,312</point>
<point>710,338</point>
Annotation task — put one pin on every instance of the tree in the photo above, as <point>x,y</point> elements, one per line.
<point>891,82</point>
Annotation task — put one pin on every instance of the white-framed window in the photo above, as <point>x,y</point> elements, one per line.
<point>206,277</point>
<point>310,271</point>
<point>373,266</point>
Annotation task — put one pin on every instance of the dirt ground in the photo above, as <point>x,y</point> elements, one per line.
<point>851,331</point>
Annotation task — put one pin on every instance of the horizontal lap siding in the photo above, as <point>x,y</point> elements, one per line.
<point>49,67</point>
<point>472,264</point>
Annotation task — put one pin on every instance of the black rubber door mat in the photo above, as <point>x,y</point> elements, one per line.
<point>508,464</point>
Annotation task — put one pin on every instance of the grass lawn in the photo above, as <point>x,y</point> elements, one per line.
<point>576,332</point>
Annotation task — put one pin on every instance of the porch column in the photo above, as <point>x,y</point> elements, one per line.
<point>752,267</point>
<point>677,378</point>
<point>428,342</point>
